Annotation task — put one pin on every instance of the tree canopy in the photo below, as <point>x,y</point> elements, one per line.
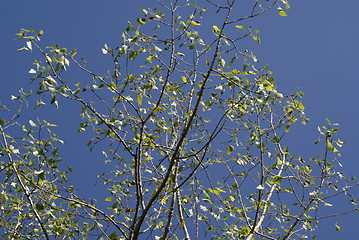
<point>192,129</point>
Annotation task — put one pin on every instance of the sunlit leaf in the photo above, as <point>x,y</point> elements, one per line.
<point>196,23</point>
<point>282,13</point>
<point>32,123</point>
<point>287,6</point>
<point>215,28</point>
<point>32,71</point>
<point>337,227</point>
<point>184,79</point>
<point>29,45</point>
<point>328,204</point>
<point>257,38</point>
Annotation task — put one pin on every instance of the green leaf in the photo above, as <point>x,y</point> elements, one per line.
<point>40,33</point>
<point>2,122</point>
<point>132,55</point>
<point>257,38</point>
<point>268,86</point>
<point>337,227</point>
<point>331,147</point>
<point>139,98</point>
<point>217,191</point>
<point>282,13</point>
<point>108,199</point>
<point>114,236</point>
<point>232,60</point>
<point>229,149</point>
<point>98,87</point>
<point>287,127</point>
<point>277,180</point>
<point>244,230</point>
<point>276,139</point>
<point>150,58</point>
<point>39,206</point>
<point>184,79</point>
<point>191,46</point>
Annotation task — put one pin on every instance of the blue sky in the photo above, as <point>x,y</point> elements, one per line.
<point>314,48</point>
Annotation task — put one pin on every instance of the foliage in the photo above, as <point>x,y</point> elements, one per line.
<point>192,128</point>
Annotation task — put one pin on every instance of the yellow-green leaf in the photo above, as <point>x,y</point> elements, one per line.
<point>139,98</point>
<point>257,38</point>
<point>141,21</point>
<point>277,179</point>
<point>287,127</point>
<point>184,79</point>
<point>308,168</point>
<point>215,28</point>
<point>287,6</point>
<point>331,147</point>
<point>216,191</point>
<point>337,227</point>
<point>282,13</point>
<point>229,149</point>
<point>196,23</point>
<point>40,33</point>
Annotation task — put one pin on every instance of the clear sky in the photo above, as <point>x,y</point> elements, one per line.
<point>314,48</point>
